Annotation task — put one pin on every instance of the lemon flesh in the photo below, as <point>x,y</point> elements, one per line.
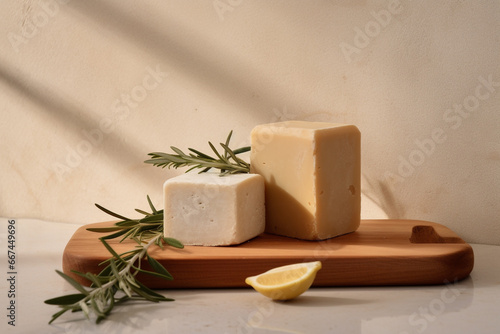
<point>286,282</point>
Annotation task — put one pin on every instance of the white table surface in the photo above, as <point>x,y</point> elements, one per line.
<point>468,306</point>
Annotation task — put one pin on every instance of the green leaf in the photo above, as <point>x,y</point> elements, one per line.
<point>91,277</point>
<point>111,213</point>
<point>173,242</point>
<point>142,212</point>
<point>101,313</point>
<point>74,283</point>
<point>228,139</point>
<point>154,294</point>
<point>128,223</point>
<point>111,250</point>
<point>217,153</point>
<point>231,153</point>
<point>57,315</point>
<point>178,151</point>
<point>66,300</point>
<point>105,229</point>
<point>151,205</point>
<point>106,272</point>
<point>129,233</point>
<point>94,279</point>
<point>242,150</point>
<point>201,154</point>
<point>144,294</point>
<point>170,158</point>
<point>152,273</point>
<point>158,217</point>
<point>117,234</point>
<point>114,270</point>
<point>158,267</point>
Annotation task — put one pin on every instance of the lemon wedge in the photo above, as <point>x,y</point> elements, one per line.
<point>286,282</point>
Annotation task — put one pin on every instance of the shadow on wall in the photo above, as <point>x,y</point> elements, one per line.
<point>67,114</point>
<point>381,194</point>
<point>180,49</point>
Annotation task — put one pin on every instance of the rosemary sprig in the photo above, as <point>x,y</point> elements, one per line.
<point>227,162</point>
<point>116,283</point>
<point>118,276</point>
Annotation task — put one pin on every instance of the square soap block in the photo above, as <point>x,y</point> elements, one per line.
<point>211,210</point>
<point>312,172</point>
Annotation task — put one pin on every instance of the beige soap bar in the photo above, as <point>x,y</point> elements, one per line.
<point>211,210</point>
<point>312,174</point>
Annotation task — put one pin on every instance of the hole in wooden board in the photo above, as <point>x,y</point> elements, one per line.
<point>352,190</point>
<point>421,234</point>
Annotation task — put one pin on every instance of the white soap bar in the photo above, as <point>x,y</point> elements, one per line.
<point>211,210</point>
<point>313,174</point>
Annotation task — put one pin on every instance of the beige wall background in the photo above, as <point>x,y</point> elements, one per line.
<point>88,88</point>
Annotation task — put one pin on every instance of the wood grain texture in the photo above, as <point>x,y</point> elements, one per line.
<point>380,252</point>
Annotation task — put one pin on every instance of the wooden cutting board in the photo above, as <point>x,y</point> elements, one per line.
<point>380,252</point>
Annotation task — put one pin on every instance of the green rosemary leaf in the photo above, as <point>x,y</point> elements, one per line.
<point>57,315</point>
<point>158,267</point>
<point>114,269</point>
<point>217,153</point>
<point>105,229</point>
<point>97,310</point>
<point>102,313</point>
<point>106,272</point>
<point>112,251</point>
<point>173,242</point>
<point>66,300</point>
<point>111,303</point>
<point>111,213</point>
<point>151,205</point>
<point>232,155</point>
<point>122,299</point>
<point>178,151</point>
<point>194,167</point>
<point>200,154</point>
<point>142,212</point>
<point>117,234</point>
<point>144,294</point>
<point>156,217</point>
<point>125,256</point>
<point>153,273</point>
<point>154,294</point>
<point>74,283</point>
<point>228,139</point>
<point>128,234</point>
<point>127,223</point>
<point>89,276</point>
<point>131,281</point>
<point>205,170</point>
<point>94,279</point>
<point>166,159</point>
<point>241,150</point>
